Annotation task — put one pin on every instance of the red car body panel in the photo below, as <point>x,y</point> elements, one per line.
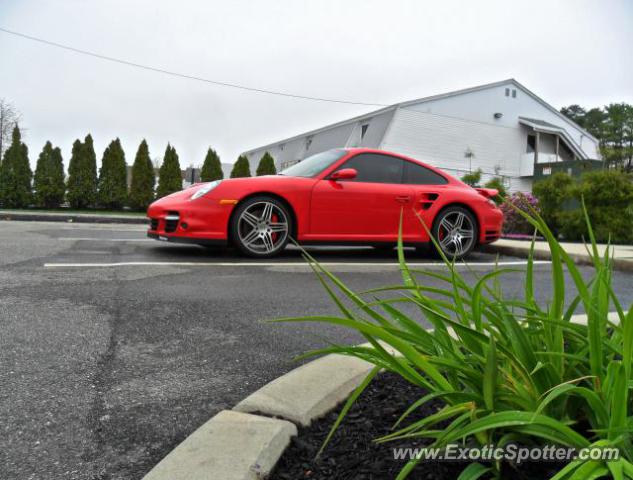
<point>325,210</point>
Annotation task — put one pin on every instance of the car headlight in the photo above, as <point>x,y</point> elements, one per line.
<point>203,190</point>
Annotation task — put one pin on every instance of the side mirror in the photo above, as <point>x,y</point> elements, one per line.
<point>344,174</point>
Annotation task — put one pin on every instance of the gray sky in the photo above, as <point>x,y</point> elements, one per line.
<point>383,52</point>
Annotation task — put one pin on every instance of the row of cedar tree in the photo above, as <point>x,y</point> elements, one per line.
<point>83,188</point>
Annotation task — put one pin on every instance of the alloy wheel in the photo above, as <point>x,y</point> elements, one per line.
<point>262,227</point>
<point>456,233</point>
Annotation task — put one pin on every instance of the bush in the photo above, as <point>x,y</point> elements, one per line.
<point>48,181</point>
<point>241,168</point>
<point>514,222</point>
<point>15,174</point>
<point>497,184</point>
<point>169,175</point>
<point>82,174</point>
<point>505,369</point>
<point>553,193</point>
<point>211,168</point>
<point>266,165</point>
<point>608,196</point>
<point>472,178</point>
<point>112,183</point>
<point>143,179</point>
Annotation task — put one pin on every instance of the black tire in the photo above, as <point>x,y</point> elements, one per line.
<point>260,241</point>
<point>456,243</point>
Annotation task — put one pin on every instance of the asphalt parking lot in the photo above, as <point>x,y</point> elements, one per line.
<point>113,347</point>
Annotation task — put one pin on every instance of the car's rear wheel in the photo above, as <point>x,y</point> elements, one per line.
<point>455,230</point>
<point>261,227</point>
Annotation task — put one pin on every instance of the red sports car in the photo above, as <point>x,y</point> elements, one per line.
<point>342,196</point>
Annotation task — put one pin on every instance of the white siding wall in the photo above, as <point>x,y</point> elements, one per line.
<point>442,141</point>
<point>481,105</point>
<point>345,135</point>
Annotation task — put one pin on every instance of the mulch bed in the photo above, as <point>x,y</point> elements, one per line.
<point>352,454</point>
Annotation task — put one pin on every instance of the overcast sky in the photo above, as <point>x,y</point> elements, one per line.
<point>359,50</point>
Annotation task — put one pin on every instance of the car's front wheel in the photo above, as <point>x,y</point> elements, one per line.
<point>455,230</point>
<point>261,227</point>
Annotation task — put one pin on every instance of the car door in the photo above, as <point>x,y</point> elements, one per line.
<point>366,208</point>
<point>426,187</point>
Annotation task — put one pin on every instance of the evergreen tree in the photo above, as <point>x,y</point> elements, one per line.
<point>82,174</point>
<point>212,168</point>
<point>112,187</point>
<point>48,181</point>
<point>241,168</point>
<point>169,175</point>
<point>15,174</point>
<point>266,165</point>
<point>143,179</point>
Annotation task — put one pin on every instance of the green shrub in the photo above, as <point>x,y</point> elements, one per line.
<point>553,193</point>
<point>506,370</point>
<point>15,174</point>
<point>211,168</point>
<point>48,181</point>
<point>472,178</point>
<point>82,174</point>
<point>497,184</point>
<point>143,179</point>
<point>266,165</point>
<point>112,183</point>
<point>169,175</point>
<point>608,196</point>
<point>241,168</point>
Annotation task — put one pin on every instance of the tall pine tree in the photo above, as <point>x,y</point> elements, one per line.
<point>48,181</point>
<point>112,187</point>
<point>143,179</point>
<point>266,165</point>
<point>15,174</point>
<point>169,175</point>
<point>241,168</point>
<point>82,174</point>
<point>212,168</point>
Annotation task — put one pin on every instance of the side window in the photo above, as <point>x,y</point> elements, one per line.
<point>418,175</point>
<point>376,168</point>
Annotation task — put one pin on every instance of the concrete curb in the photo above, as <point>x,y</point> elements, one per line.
<point>310,391</point>
<point>71,217</point>
<point>245,443</point>
<point>524,251</point>
<point>230,446</point>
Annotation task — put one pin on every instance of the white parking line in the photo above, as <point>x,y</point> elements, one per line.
<point>95,239</point>
<point>282,264</point>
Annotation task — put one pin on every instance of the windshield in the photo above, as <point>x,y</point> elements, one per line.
<point>315,164</point>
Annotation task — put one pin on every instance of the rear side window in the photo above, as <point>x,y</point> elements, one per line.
<point>376,168</point>
<point>415,174</point>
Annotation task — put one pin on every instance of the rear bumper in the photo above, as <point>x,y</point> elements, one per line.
<point>491,226</point>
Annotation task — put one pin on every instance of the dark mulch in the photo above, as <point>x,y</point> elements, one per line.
<point>351,453</point>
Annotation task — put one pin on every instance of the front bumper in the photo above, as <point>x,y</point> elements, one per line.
<point>202,221</point>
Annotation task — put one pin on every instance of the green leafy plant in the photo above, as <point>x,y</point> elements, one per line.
<point>266,165</point>
<point>497,184</point>
<point>507,370</point>
<point>473,178</point>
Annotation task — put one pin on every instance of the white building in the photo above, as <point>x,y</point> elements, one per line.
<point>501,128</point>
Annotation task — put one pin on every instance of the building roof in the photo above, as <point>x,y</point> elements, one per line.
<point>428,99</point>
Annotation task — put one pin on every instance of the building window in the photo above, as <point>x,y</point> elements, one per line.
<point>281,146</point>
<point>308,143</point>
<point>514,93</point>
<point>507,92</point>
<point>531,144</point>
<point>363,130</point>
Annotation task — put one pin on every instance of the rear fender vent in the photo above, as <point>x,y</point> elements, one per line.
<point>427,199</point>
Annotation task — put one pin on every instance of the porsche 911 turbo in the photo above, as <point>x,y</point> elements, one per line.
<point>347,196</point>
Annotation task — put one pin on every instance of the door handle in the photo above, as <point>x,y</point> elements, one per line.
<point>403,198</point>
